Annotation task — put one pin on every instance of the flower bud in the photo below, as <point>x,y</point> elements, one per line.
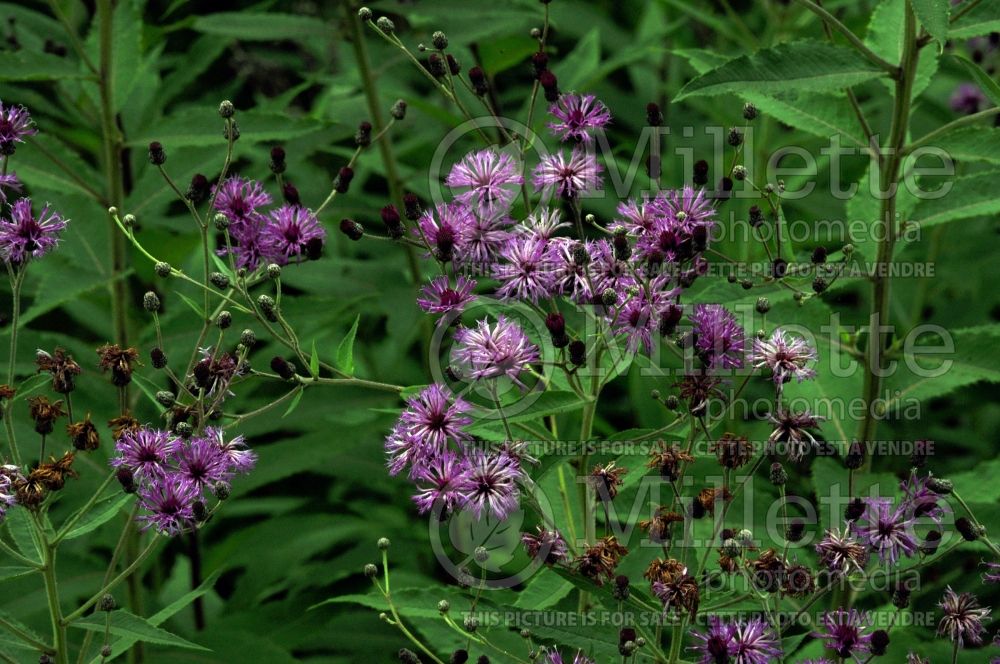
<point>654,116</point>
<point>221,222</point>
<point>540,62</point>
<point>940,486</point>
<point>411,207</point>
<point>478,79</point>
<point>578,352</point>
<point>107,602</point>
<point>970,531</point>
<point>248,338</point>
<point>283,368</point>
<point>273,271</point>
<point>199,189</point>
<point>471,623</point>
<point>550,85</point>
<point>365,14</point>
<point>277,164</point>
<point>735,137</point>
<point>481,554</point>
<point>855,457</point>
<point>352,229</point>
<point>226,109</point>
<point>183,429</point>
<point>371,571</point>
<point>739,173</point>
<point>219,280</point>
<point>819,255</point>
<point>749,111</point>
<point>778,476</point>
<point>385,25</point>
<point>165,398</point>
<point>157,156</point>
<point>879,642</point>
<point>162,269</point>
<point>363,137</point>
<point>157,358</point>
<point>383,544</point>
<point>444,606</point>
<point>128,221</point>
<point>819,285</point>
<point>151,302</point>
<point>763,305</point>
<point>221,491</point>
<point>779,268</point>
<point>224,320</point>
<point>700,175</point>
<point>398,109</point>
<point>440,40</point>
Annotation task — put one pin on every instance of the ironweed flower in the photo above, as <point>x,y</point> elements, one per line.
<point>553,657</point>
<point>919,498</point>
<point>443,228</point>
<point>119,361</point>
<point>841,553</point>
<point>844,632</point>
<point>606,480</point>
<point>568,177</point>
<point>84,434</point>
<point>15,124</point>
<point>201,462</point>
<point>10,476</point>
<point>146,452</point>
<point>886,529</point>
<point>599,561</point>
<point>26,235</point>
<point>542,224</point>
<point>548,543</point>
<point>492,351</point>
<point>168,502</point>
<point>527,273</point>
<point>240,199</point>
<point>438,297</point>
<point>787,357</point>
<point>45,413</point>
<point>754,642</point>
<point>716,642</point>
<point>577,116</point>
<point>61,366</point>
<point>291,233</point>
<point>491,484</point>
<point>490,180</point>
<point>718,336</point>
<point>434,417</point>
<point>963,618</point>
<point>679,594</point>
<point>794,429</point>
<point>441,483</point>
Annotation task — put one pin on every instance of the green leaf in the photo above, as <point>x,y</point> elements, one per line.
<point>250,26</point>
<point>886,38</point>
<point>970,196</point>
<point>191,303</point>
<point>982,20</point>
<point>819,114</point>
<point>24,66</point>
<point>130,626</point>
<point>123,643</point>
<point>22,531</point>
<point>971,144</point>
<point>804,65</point>
<point>542,591</point>
<point>15,572</point>
<point>934,15</point>
<point>985,82</point>
<point>294,404</point>
<point>345,350</point>
<point>582,61</point>
<point>314,361</point>
<point>99,514</point>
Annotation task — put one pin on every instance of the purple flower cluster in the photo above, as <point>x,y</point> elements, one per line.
<point>287,234</point>
<point>749,642</point>
<point>845,633</point>
<point>787,357</point>
<point>553,657</point>
<point>15,124</point>
<point>886,529</point>
<point>172,475</point>
<point>576,116</point>
<point>718,336</point>
<point>494,351</point>
<point>8,474</point>
<point>429,439</point>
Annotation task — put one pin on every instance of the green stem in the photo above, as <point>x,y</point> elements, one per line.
<point>25,636</point>
<point>73,520</point>
<point>955,124</point>
<point>55,611</point>
<point>109,586</point>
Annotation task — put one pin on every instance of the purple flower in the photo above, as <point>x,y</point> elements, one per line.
<point>716,642</point>
<point>755,643</point>
<point>493,351</point>
<point>291,231</point>
<point>689,207</point>
<point>201,462</point>
<point>15,124</point>
<point>549,544</point>
<point>841,553</point>
<point>919,500</point>
<point>490,484</point>
<point>480,240</point>
<point>403,449</point>
<point>886,529</point>
<point>794,430</point>
<point>239,459</point>
<point>577,116</point>
<point>635,320</point>
<point>844,632</point>
<point>528,271</point>
<point>637,218</point>
<point>967,99</point>
<point>440,298</point>
<point>443,227</point>
<point>491,178</point>
<point>606,271</point>
<point>169,504</point>
<point>239,199</point>
<point>570,277</point>
<point>992,573</point>
<point>8,475</point>
<point>542,224</point>
<point>441,483</point>
<point>27,236</point>
<point>718,336</point>
<point>568,177</point>
<point>553,657</point>
<point>8,181</point>
<point>146,452</point>
<point>963,618</point>
<point>786,356</point>
<point>434,417</point>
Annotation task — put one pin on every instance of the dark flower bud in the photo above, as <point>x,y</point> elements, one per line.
<point>672,402</point>
<point>126,479</point>
<point>371,571</point>
<point>365,14</point>
<point>578,352</point>
<point>471,624</point>
<point>755,216</point>
<point>291,194</point>
<point>156,154</point>
<point>623,251</point>
<point>700,178</point>
<point>879,642</point>
<point>970,531</point>
<point>621,591</point>
<point>540,62</point>
<point>342,182</point>
<point>749,111</point>
<point>383,543</point>
<point>183,429</point>
<point>795,530</point>
<point>282,367</point>
<point>165,398</point>
<point>746,284</point>
<point>854,510</point>
<point>556,324</point>
<point>444,606</point>
<point>221,222</point>
<point>385,25</point>
<point>740,172</point>
<point>363,137</point>
<point>453,65</point>
<point>107,602</point>
<point>920,451</point>
<point>763,305</point>
<point>735,137</point>
<point>460,656</point>
<point>231,131</point>
<point>779,267</point>
<point>221,491</point>
<point>669,318</point>
<point>411,207</point>
<point>352,229</point>
<point>436,65</point>
<point>778,476</point>
<point>106,651</point>
<point>157,358</point>
<point>819,285</point>
<point>278,164</point>
<point>199,189</point>
<point>273,271</point>
<point>151,302</point>
<point>609,297</point>
<point>550,85</point>
<point>478,80</point>
<point>407,656</point>
<point>483,659</point>
<point>390,217</point>
<point>819,255</point>
<point>267,306</point>
<point>248,338</point>
<point>398,110</point>
<point>219,280</point>
<point>481,554</point>
<point>440,40</point>
<point>699,238</point>
<point>224,320</point>
<point>725,189</point>
<point>226,109</point>
<point>200,510</point>
<point>654,116</point>
<point>901,597</point>
<point>855,457</point>
<point>162,269</point>
<point>940,486</point>
<point>931,542</point>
